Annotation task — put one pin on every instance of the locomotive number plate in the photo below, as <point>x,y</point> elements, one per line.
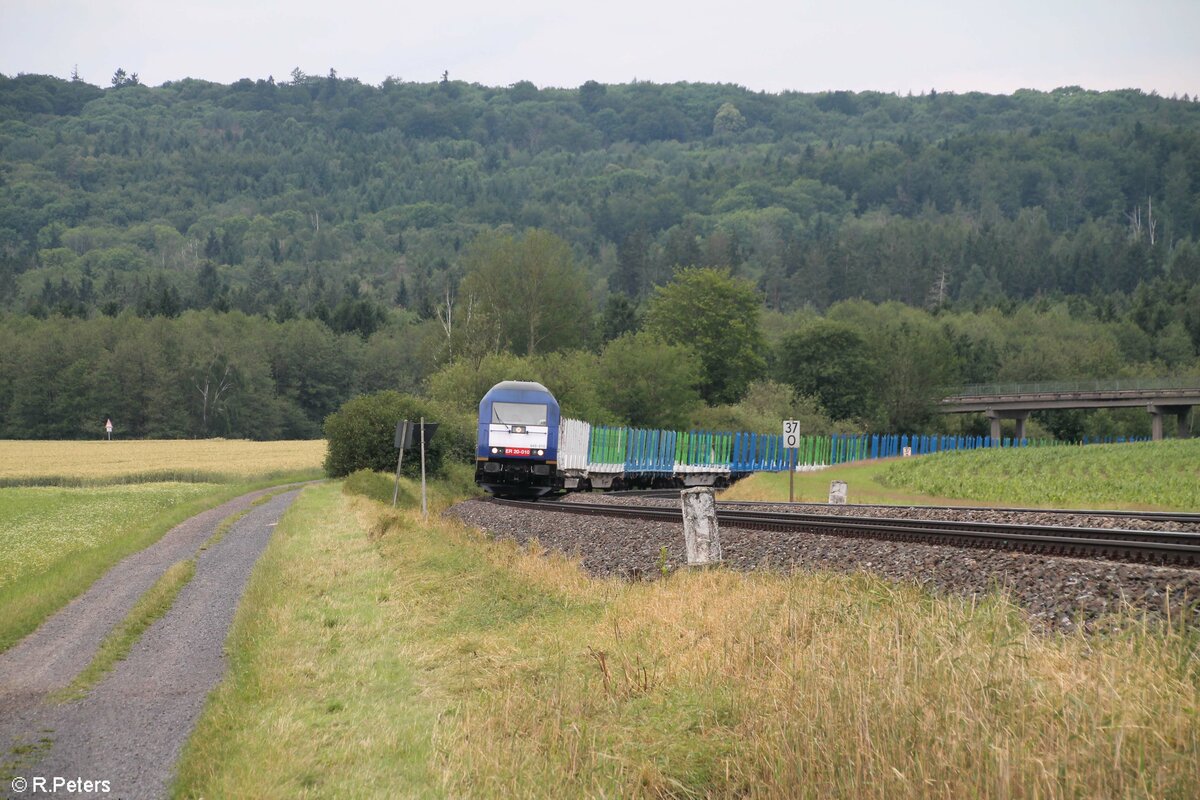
<point>516,451</point>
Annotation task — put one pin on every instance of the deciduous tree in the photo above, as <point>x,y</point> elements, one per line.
<point>719,317</point>
<point>832,362</point>
<point>647,382</point>
<point>531,287</point>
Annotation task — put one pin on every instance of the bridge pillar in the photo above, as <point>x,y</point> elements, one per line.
<point>996,416</point>
<point>1157,412</point>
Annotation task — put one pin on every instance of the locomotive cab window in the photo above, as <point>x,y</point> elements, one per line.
<point>519,413</point>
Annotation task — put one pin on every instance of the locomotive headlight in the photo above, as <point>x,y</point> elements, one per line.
<point>495,450</point>
<point>541,452</point>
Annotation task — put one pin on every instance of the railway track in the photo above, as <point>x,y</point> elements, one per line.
<point>1160,547</point>
<point>1181,517</point>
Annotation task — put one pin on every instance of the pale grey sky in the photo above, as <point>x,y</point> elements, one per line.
<point>900,46</point>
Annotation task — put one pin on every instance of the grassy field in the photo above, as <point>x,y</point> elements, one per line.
<point>1162,475</point>
<point>90,463</point>
<point>425,661</point>
<point>1148,475</point>
<point>44,525</point>
<point>60,531</point>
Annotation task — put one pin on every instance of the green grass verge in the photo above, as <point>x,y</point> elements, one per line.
<point>57,542</point>
<point>458,482</point>
<point>321,698</point>
<point>155,602</point>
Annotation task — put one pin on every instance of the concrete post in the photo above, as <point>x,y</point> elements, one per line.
<point>1020,418</point>
<point>424,507</point>
<point>700,533</point>
<point>837,493</point>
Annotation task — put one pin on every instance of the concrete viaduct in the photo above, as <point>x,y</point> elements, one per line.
<point>1159,397</point>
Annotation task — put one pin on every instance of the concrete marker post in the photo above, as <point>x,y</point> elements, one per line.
<point>837,493</point>
<point>701,535</point>
<point>424,508</point>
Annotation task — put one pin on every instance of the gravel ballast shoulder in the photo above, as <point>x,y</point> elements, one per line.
<point>130,729</point>
<point>1056,591</point>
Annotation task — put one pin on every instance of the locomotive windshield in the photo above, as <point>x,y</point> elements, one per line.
<point>519,413</point>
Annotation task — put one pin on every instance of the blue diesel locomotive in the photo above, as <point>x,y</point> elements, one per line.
<point>516,450</point>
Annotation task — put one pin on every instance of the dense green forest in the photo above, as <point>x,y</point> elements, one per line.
<point>299,241</point>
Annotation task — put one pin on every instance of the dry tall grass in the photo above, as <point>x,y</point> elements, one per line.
<point>725,684</point>
<point>67,463</point>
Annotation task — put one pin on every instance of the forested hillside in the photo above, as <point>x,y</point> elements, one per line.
<point>388,213</point>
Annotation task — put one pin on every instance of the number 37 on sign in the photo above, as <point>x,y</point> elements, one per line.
<point>791,433</point>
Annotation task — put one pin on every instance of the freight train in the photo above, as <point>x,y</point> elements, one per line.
<point>524,448</point>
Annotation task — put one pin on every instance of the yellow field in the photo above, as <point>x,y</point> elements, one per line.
<point>76,462</point>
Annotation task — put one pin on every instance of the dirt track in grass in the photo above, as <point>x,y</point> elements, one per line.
<point>130,728</point>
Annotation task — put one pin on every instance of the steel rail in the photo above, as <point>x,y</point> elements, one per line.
<point>1182,517</point>
<point>1170,547</point>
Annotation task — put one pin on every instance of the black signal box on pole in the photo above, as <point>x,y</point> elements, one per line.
<point>411,434</point>
<point>403,435</point>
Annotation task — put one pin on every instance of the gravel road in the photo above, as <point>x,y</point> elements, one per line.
<point>130,729</point>
<point>1055,590</point>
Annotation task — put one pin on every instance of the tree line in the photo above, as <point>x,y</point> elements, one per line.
<point>701,351</point>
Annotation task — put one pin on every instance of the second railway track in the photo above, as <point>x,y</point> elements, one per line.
<point>1158,547</point>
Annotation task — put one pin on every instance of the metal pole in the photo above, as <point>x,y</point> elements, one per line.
<point>399,461</point>
<point>424,509</point>
<point>792,477</point>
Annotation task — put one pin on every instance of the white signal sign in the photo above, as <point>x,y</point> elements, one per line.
<point>791,433</point>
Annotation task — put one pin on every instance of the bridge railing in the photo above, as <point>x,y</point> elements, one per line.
<point>1075,386</point>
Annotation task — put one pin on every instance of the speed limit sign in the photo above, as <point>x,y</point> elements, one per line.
<point>791,442</point>
<point>791,433</point>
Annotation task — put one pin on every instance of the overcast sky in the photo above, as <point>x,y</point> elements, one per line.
<point>901,46</point>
